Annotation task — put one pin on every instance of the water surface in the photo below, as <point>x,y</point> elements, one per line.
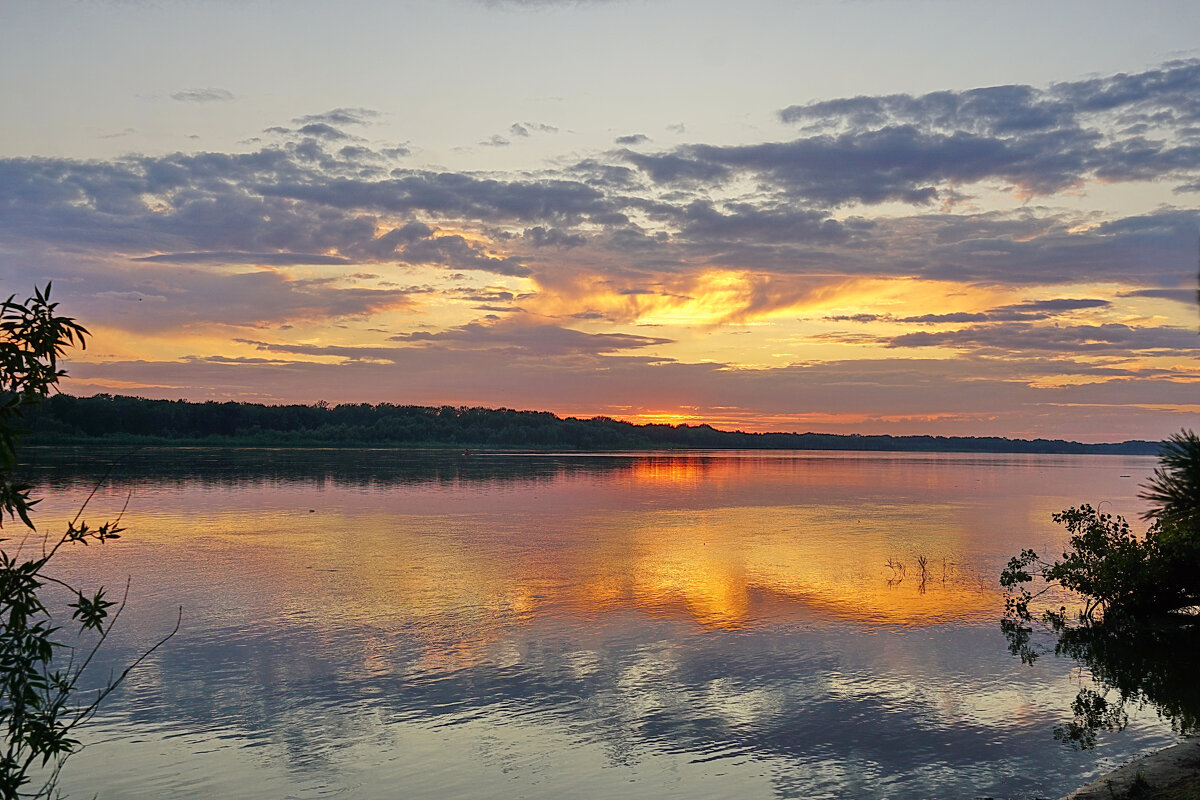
<point>377,624</point>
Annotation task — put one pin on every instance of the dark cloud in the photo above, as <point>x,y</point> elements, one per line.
<point>459,195</point>
<point>700,221</point>
<point>153,297</point>
<point>632,139</point>
<point>456,252</point>
<point>232,257</point>
<point>210,95</point>
<point>540,236</point>
<point>322,130</point>
<point>485,295</point>
<point>960,316</point>
<point>1187,296</point>
<point>546,340</point>
<point>1058,304</point>
<point>1111,338</point>
<point>1033,310</point>
<point>299,198</point>
<point>272,202</point>
<point>1162,95</point>
<point>855,318</point>
<point>606,176</point>
<point>525,129</point>
<point>679,167</point>
<point>339,116</point>
<point>1033,249</point>
<point>899,163</point>
<point>912,148</point>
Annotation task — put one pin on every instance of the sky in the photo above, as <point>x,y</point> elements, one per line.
<point>846,216</point>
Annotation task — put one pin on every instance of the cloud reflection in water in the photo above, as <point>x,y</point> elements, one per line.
<point>673,625</point>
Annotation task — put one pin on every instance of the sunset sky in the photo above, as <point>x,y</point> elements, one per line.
<point>888,216</point>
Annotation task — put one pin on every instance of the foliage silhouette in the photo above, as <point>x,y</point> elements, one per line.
<point>1114,571</point>
<point>39,665</point>
<point>1129,633</point>
<point>1174,490</point>
<point>114,418</point>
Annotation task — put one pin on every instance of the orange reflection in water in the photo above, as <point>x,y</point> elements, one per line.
<point>723,542</point>
<point>715,568</point>
<point>666,471</point>
<point>718,567</point>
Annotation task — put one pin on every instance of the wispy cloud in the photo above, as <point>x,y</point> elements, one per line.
<point>210,95</point>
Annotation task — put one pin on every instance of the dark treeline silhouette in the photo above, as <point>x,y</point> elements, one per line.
<point>120,419</point>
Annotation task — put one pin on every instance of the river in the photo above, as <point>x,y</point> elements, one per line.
<point>386,624</point>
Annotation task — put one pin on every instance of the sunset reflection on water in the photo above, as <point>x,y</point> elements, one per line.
<point>690,606</point>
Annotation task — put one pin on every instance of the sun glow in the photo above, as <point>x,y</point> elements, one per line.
<point>677,417</point>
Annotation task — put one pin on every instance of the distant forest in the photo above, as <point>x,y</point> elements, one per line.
<point>118,419</point>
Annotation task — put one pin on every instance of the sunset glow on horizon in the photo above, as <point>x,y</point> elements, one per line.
<point>976,224</point>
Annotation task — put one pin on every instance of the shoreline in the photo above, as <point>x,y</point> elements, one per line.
<point>1172,773</point>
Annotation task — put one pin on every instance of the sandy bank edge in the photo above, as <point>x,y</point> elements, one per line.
<point>1169,774</point>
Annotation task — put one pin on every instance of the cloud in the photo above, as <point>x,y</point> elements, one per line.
<point>1033,310</point>
<point>1186,296</point>
<point>540,236</point>
<point>452,194</point>
<point>339,116</point>
<point>485,295</point>
<point>1111,338</point>
<point>232,257</point>
<point>322,130</point>
<point>525,129</point>
<point>542,340</point>
<point>632,139</point>
<point>912,149</point>
<point>210,95</point>
<point>856,317</point>
<point>1162,95</point>
<point>700,221</point>
<point>456,252</point>
<point>300,197</point>
<point>186,299</point>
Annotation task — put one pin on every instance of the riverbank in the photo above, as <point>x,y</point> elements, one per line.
<point>1169,774</point>
<point>108,419</point>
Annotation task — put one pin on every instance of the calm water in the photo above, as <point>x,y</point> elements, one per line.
<point>704,625</point>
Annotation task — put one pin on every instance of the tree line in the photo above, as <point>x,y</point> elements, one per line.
<point>120,419</point>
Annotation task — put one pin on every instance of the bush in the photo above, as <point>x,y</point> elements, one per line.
<point>1114,571</point>
<point>39,668</point>
<point>1136,651</point>
<point>1174,490</point>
